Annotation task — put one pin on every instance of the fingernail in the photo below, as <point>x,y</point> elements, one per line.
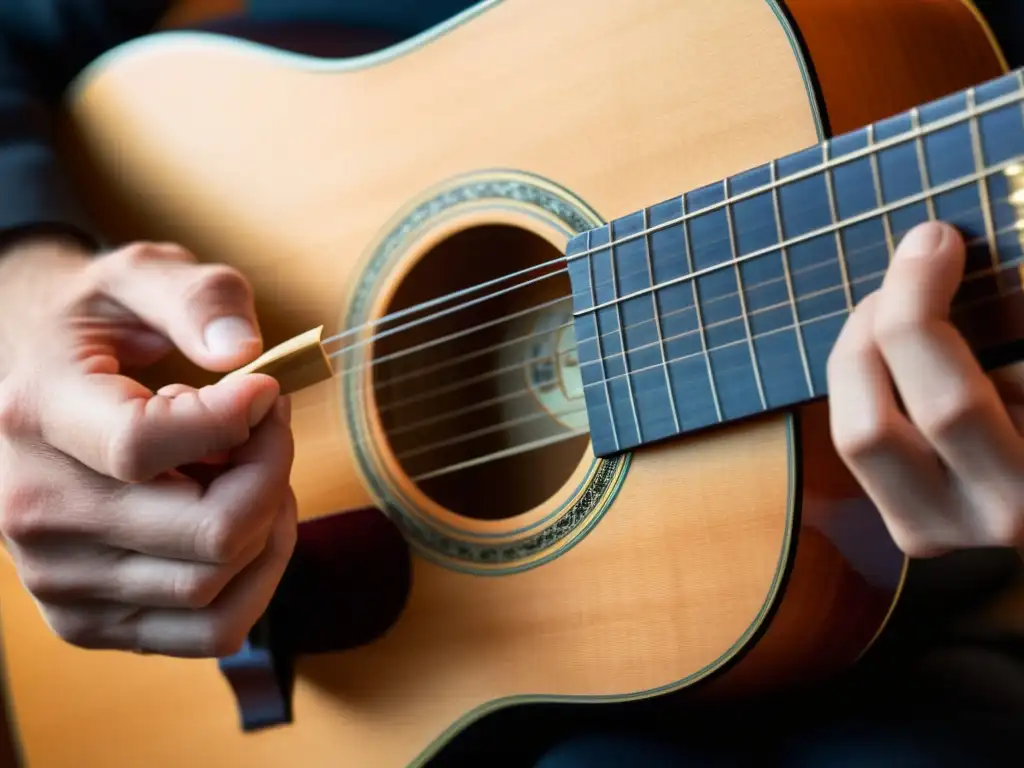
<point>227,336</point>
<point>923,240</point>
<point>260,406</point>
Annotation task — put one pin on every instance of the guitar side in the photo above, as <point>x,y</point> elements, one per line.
<point>737,559</point>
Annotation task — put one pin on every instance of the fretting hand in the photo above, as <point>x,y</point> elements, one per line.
<point>933,440</point>
<point>118,544</point>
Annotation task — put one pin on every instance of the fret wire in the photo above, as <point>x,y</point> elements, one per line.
<point>696,306</point>
<point>600,351</point>
<point>781,234</point>
<point>829,315</point>
<point>994,104</point>
<point>986,206</point>
<point>909,200</point>
<point>834,211</point>
<point>922,164</point>
<point>622,334</point>
<point>809,295</point>
<point>576,433</point>
<point>876,177</point>
<point>655,305</point>
<point>743,302</point>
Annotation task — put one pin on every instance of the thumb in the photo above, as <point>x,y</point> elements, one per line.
<point>207,311</point>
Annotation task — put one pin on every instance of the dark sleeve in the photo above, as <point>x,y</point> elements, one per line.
<point>44,44</point>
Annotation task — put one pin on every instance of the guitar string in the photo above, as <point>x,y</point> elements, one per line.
<point>751,287</point>
<point>873,149</point>
<point>748,287</point>
<point>615,332</point>
<point>915,133</point>
<point>990,271</point>
<point>554,439</point>
<point>921,197</point>
<point>969,114</point>
<point>573,434</point>
<point>927,194</point>
<point>972,179</point>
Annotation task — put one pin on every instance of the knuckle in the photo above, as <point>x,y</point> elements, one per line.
<point>942,418</point>
<point>26,511</point>
<point>196,588</point>
<point>136,254</point>
<point>914,542</point>
<point>39,581</point>
<point>860,439</point>
<point>144,252</point>
<point>176,252</point>
<point>1004,525</point>
<point>228,643</point>
<point>223,638</point>
<point>219,538</point>
<point>74,628</point>
<point>221,281</point>
<point>16,420</point>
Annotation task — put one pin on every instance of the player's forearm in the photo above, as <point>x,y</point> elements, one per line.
<point>44,45</point>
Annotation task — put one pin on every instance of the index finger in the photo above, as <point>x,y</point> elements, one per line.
<point>119,428</point>
<point>942,385</point>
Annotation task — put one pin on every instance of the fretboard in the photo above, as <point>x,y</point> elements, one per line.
<point>726,302</point>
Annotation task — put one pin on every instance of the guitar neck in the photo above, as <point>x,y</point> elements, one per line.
<point>726,301</point>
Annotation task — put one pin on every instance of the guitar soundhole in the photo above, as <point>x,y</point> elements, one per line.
<point>482,407</point>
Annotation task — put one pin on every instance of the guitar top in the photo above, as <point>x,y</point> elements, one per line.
<point>574,270</point>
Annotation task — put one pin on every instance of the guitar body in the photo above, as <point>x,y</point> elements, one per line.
<point>735,559</point>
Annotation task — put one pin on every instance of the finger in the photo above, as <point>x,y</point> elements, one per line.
<point>179,519</point>
<point>134,348</point>
<point>890,459</point>
<point>171,516</point>
<point>120,429</point>
<point>206,310</point>
<point>66,576</point>
<point>944,389</point>
<point>220,629</point>
<point>176,390</point>
<point>88,625</point>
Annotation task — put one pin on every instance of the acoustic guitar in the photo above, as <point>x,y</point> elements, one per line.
<point>569,274</point>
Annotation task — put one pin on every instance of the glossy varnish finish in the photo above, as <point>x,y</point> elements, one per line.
<point>293,175</point>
